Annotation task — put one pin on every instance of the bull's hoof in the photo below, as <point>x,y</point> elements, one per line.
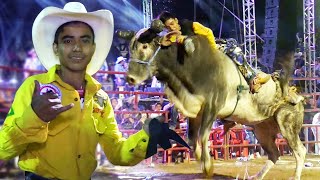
<point>198,153</point>
<point>207,168</point>
<point>254,177</point>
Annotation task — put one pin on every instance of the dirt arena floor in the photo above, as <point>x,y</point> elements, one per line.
<point>229,169</point>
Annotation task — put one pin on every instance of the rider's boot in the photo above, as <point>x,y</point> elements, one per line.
<point>254,79</point>
<point>258,80</point>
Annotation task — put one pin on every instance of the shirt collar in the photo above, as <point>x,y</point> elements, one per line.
<point>92,84</point>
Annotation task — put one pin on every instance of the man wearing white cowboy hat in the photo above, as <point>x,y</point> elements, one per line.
<point>120,67</point>
<point>120,59</point>
<point>58,118</point>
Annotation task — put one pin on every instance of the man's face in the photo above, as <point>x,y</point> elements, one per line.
<point>158,107</point>
<point>114,102</point>
<point>75,47</point>
<point>122,62</point>
<point>172,24</point>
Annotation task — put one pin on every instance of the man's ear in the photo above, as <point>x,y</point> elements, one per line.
<point>55,48</point>
<point>94,47</point>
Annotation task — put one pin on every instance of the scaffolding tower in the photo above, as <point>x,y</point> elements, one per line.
<point>309,45</point>
<point>249,31</point>
<point>147,13</point>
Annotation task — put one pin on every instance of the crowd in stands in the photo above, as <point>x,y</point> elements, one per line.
<point>303,69</point>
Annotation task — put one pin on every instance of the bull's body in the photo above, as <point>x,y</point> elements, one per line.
<point>207,85</point>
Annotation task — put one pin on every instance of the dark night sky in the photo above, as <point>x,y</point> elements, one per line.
<point>25,11</point>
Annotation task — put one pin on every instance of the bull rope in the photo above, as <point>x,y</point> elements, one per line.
<point>240,88</point>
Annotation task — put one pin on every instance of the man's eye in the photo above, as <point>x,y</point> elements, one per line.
<point>67,41</point>
<point>86,41</point>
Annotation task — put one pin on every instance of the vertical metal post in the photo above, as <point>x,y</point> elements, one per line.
<point>309,44</point>
<point>249,31</point>
<point>147,12</point>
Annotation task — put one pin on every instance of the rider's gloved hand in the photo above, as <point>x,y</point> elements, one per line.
<point>159,133</point>
<point>189,46</point>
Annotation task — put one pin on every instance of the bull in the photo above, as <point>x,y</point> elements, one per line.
<point>206,85</point>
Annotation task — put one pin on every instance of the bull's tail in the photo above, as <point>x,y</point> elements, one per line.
<point>287,64</point>
<point>288,24</point>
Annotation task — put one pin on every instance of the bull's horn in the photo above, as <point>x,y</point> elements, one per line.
<point>157,26</point>
<point>125,34</point>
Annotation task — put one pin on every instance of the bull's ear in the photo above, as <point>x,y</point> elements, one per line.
<point>125,34</point>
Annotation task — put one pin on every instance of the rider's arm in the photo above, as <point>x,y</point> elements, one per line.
<point>202,30</point>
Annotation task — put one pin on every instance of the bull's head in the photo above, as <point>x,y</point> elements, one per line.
<point>144,47</point>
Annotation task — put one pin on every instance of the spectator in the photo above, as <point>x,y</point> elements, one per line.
<point>156,84</point>
<point>182,121</point>
<point>128,122</point>
<point>31,63</point>
<point>172,116</point>
<point>251,139</point>
<point>102,76</point>
<point>316,131</point>
<point>308,118</point>
<point>121,66</point>
<point>140,121</point>
<point>157,107</point>
<point>116,105</point>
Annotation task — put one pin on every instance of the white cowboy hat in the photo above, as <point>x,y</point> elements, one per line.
<point>50,18</point>
<point>120,58</point>
<point>297,54</point>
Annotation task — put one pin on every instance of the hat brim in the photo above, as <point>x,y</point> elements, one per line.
<point>51,18</point>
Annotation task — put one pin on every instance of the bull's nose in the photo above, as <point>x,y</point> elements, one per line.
<point>130,80</point>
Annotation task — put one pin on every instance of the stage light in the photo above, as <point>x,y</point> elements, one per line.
<point>126,15</point>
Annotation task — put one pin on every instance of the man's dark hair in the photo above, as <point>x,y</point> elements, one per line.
<point>60,29</point>
<point>158,103</point>
<point>165,15</point>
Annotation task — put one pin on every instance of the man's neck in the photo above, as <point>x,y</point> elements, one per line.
<point>74,79</point>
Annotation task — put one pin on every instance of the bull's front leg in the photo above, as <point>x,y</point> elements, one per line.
<point>187,103</point>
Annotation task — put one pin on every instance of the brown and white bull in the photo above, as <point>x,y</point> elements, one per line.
<point>206,84</point>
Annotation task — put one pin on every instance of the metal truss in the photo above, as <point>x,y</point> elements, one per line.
<point>249,31</point>
<point>309,44</point>
<point>147,12</point>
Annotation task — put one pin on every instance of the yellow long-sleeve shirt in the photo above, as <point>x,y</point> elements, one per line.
<point>200,29</point>
<point>65,147</point>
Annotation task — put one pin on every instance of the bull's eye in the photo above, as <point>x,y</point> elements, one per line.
<point>145,46</point>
